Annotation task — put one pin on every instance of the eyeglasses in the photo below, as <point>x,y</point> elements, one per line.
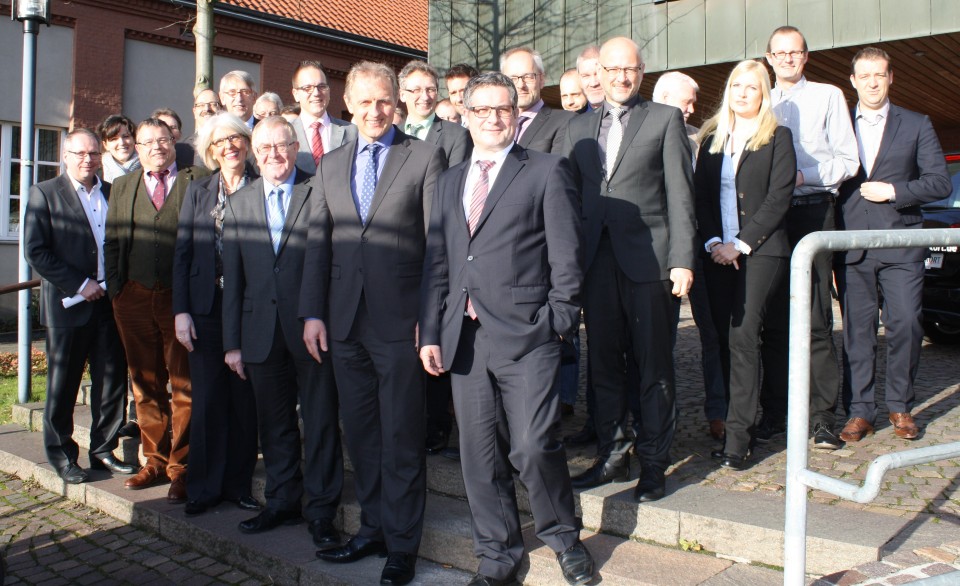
<point>233,93</point>
<point>234,139</point>
<point>526,78</point>
<point>430,91</point>
<point>161,142</point>
<point>267,114</point>
<point>781,55</point>
<point>627,71</point>
<point>207,106</point>
<point>483,112</point>
<point>84,155</point>
<point>308,89</point>
<point>282,148</point>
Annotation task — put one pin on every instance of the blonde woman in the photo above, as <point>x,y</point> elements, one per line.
<point>745,176</point>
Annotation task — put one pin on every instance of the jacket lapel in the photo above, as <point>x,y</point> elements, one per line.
<point>69,195</point>
<point>336,135</point>
<point>395,158</point>
<point>511,166</point>
<point>637,115</point>
<point>300,192</point>
<point>535,126</point>
<point>889,133</point>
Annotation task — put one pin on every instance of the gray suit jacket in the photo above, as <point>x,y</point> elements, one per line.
<point>341,131</point>
<point>454,139</point>
<point>547,131</point>
<point>383,259</point>
<point>647,206</point>
<point>260,287</point>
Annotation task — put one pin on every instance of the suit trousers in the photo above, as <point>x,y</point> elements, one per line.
<point>279,382</point>
<point>622,317</point>
<point>68,349</point>
<point>901,288</point>
<point>824,369</point>
<point>154,356</point>
<point>223,422</point>
<point>508,413</point>
<point>739,303</point>
<point>381,403</point>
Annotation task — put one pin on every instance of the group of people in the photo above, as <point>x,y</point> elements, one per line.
<point>308,271</point>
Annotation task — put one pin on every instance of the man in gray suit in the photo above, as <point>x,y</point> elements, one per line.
<point>539,126</point>
<point>418,91</point>
<point>634,167</point>
<point>265,233</point>
<point>63,242</point>
<point>372,202</point>
<point>317,132</point>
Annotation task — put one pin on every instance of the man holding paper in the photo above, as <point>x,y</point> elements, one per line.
<point>63,242</point>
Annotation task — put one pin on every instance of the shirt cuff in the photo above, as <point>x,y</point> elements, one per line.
<point>710,242</point>
<point>85,281</point>
<point>741,246</point>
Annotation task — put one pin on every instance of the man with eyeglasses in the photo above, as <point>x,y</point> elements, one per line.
<point>827,155</point>
<point>418,91</point>
<point>138,258</point>
<point>317,132</point>
<point>500,293</point>
<point>63,242</point>
<point>265,234</point>
<point>238,93</point>
<point>539,126</point>
<point>634,168</point>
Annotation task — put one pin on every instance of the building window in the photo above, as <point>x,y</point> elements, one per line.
<point>47,166</point>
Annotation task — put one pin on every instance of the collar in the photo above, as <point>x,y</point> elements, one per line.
<point>873,116</point>
<point>77,186</point>
<point>628,105</point>
<point>384,141</point>
<point>171,170</point>
<point>796,87</point>
<point>308,119</point>
<point>533,110</point>
<point>498,157</point>
<point>426,123</point>
<point>287,184</point>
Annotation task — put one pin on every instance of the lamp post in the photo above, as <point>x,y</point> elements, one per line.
<point>31,13</point>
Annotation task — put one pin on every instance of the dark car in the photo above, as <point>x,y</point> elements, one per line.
<point>941,284</point>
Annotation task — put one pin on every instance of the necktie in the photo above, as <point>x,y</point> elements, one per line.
<point>160,189</point>
<point>368,182</point>
<point>479,197</point>
<point>317,141</point>
<point>276,218</point>
<point>614,138</point>
<point>414,130</point>
<point>521,125</point>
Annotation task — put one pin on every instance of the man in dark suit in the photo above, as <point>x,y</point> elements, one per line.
<point>63,242</point>
<point>539,127</point>
<point>418,91</point>
<point>369,228</point>
<point>501,291</point>
<point>632,160</point>
<point>901,167</point>
<point>317,131</point>
<point>138,256</point>
<point>265,234</point>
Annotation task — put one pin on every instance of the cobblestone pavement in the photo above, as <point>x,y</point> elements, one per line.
<point>47,539</point>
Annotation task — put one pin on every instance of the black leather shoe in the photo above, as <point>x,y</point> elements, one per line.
<point>130,429</point>
<point>245,502</point>
<point>651,487</point>
<point>601,472</point>
<point>437,441</point>
<point>194,508</point>
<point>481,580</point>
<point>399,569</point>
<point>735,462</point>
<point>324,535</point>
<point>269,519</point>
<point>355,549</point>
<point>73,474</point>
<point>110,463</point>
<point>576,564</point>
<point>584,437</point>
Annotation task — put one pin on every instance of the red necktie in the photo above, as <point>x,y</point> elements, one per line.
<point>160,190</point>
<point>480,190</point>
<point>317,141</point>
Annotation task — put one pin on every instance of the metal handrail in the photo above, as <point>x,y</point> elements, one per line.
<point>799,478</point>
<point>4,289</point>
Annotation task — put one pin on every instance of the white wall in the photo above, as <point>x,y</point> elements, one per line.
<point>54,73</point>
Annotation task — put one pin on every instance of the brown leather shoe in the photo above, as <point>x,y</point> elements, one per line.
<point>904,426</point>
<point>856,429</point>
<point>147,477</point>
<point>717,429</point>
<point>178,489</point>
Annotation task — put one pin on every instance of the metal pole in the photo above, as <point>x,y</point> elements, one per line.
<point>31,29</point>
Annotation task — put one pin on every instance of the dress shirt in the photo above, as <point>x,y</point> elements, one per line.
<point>473,175</point>
<point>817,115</point>
<point>606,120</point>
<point>95,207</point>
<point>287,193</point>
<point>251,122</point>
<point>729,209</point>
<point>530,113</point>
<point>151,182</point>
<point>307,120</point>
<point>425,125</point>
<point>869,127</point>
<point>361,159</point>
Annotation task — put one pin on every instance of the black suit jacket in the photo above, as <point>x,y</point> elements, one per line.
<point>648,204</point>
<point>382,259</point>
<point>454,139</point>
<point>523,266</point>
<point>59,245</point>
<point>547,131</point>
<point>341,132</point>
<point>910,158</point>
<point>765,181</point>
<point>260,287</point>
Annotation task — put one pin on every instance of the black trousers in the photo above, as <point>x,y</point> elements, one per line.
<point>279,382</point>
<point>68,349</point>
<point>824,369</point>
<point>223,421</point>
<point>381,402</point>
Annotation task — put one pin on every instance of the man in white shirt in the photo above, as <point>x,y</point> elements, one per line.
<point>317,132</point>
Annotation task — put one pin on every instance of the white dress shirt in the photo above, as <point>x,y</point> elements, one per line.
<point>307,120</point>
<point>95,208</point>
<point>869,127</point>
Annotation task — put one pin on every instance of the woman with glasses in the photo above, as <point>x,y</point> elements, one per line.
<point>745,176</point>
<point>223,425</point>
<point>117,133</point>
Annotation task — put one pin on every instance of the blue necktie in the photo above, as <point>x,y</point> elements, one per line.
<point>276,217</point>
<point>368,182</point>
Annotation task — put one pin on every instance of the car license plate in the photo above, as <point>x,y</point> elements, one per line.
<point>934,261</point>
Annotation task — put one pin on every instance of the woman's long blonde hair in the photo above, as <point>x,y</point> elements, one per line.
<point>721,123</point>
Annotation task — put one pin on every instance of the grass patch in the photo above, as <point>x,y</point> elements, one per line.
<point>8,394</point>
